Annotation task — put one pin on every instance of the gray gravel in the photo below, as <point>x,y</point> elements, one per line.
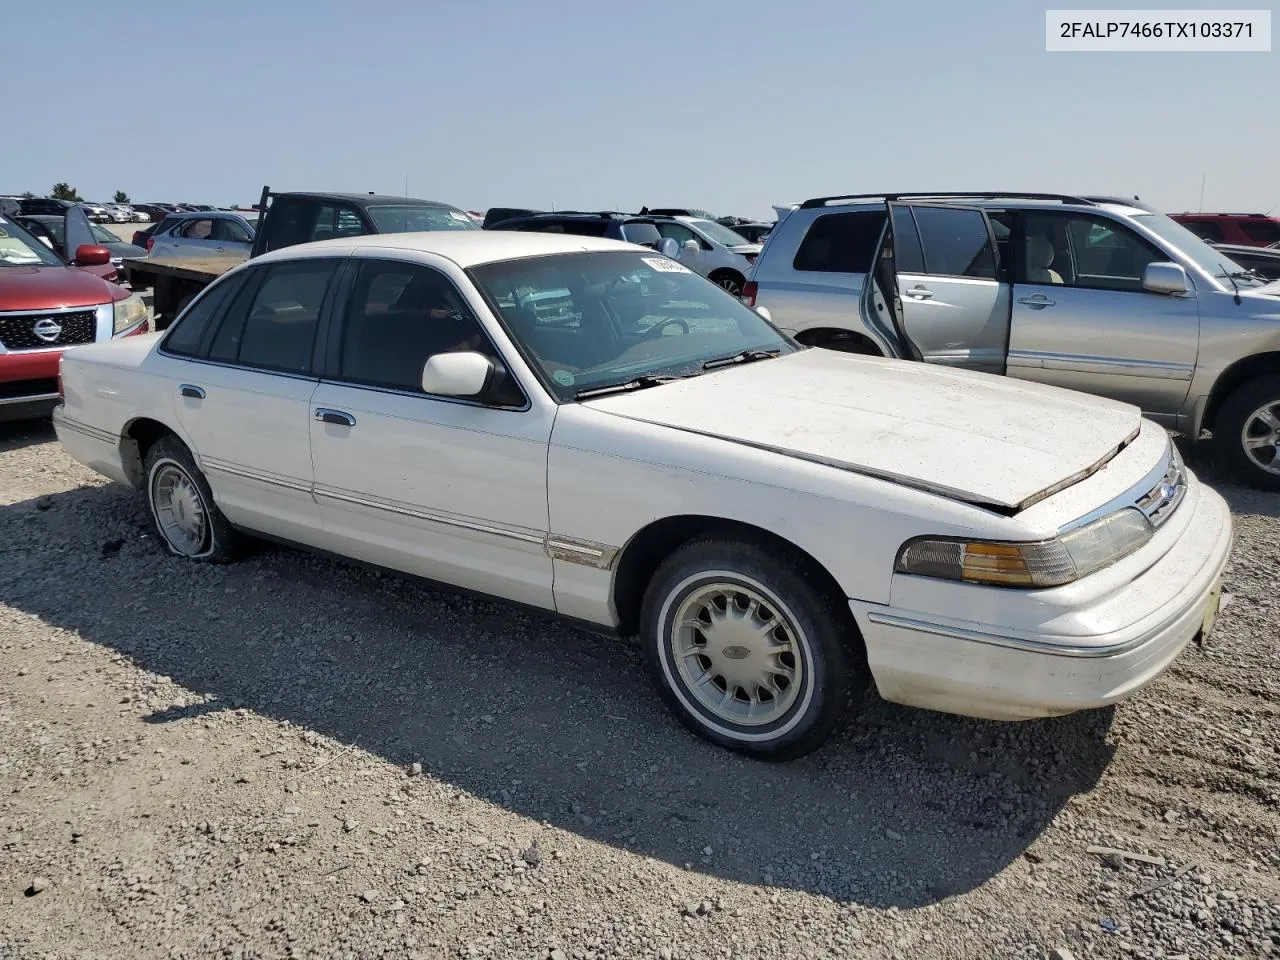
<point>293,757</point>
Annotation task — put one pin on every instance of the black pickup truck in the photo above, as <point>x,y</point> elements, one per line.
<point>286,219</point>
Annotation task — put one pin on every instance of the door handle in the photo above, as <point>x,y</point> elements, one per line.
<point>192,391</point>
<point>325,415</point>
<point>1039,300</point>
<point>920,293</point>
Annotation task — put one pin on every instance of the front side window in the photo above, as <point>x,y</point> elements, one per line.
<point>400,315</point>
<point>19,249</point>
<point>416,218</point>
<point>841,243</point>
<point>231,231</point>
<point>1077,250</point>
<point>275,327</point>
<point>677,232</point>
<point>198,229</point>
<point>957,243</point>
<point>587,320</point>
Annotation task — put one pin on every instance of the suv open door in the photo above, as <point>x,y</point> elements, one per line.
<point>940,266</point>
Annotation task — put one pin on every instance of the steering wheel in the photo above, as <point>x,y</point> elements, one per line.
<point>657,329</point>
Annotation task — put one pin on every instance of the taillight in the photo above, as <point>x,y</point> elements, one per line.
<point>151,242</point>
<point>749,293</point>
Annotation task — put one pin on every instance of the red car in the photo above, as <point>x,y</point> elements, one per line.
<point>47,305</point>
<point>1242,229</point>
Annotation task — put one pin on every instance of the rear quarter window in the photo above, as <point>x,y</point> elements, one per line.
<point>840,243</point>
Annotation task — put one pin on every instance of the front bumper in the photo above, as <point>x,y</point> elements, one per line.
<point>1060,657</point>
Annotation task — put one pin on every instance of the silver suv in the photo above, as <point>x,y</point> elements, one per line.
<point>1098,294</point>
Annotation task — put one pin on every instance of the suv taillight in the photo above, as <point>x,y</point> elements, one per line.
<point>749,293</point>
<point>151,242</point>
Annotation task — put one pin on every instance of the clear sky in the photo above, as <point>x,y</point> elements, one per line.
<point>611,104</point>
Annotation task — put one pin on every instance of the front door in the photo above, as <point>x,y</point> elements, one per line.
<point>954,309</point>
<point>1082,320</point>
<point>449,489</point>
<point>246,408</point>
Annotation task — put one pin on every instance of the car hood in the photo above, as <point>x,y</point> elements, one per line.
<point>999,443</point>
<point>44,288</point>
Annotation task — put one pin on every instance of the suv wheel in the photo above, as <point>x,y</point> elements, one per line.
<point>1246,433</point>
<point>182,508</point>
<point>749,652</point>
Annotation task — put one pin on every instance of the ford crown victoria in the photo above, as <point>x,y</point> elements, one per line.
<point>589,428</point>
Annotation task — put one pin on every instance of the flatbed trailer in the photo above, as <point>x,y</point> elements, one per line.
<point>175,280</point>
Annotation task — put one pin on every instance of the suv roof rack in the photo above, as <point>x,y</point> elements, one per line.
<point>950,195</point>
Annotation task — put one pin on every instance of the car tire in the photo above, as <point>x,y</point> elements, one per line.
<point>182,508</point>
<point>729,281</point>
<point>850,343</point>
<point>1244,418</point>
<point>803,673</point>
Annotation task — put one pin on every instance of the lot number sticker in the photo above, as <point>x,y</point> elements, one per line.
<point>664,265</point>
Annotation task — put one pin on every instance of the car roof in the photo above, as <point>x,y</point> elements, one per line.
<point>201,214</point>
<point>466,248</point>
<point>366,199</point>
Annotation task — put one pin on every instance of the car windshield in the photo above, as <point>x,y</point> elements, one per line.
<point>719,232</point>
<point>590,320</point>
<point>19,249</point>
<point>1213,262</point>
<point>412,218</point>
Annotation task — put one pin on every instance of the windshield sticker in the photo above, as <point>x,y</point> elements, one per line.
<point>665,265</point>
<point>563,377</point>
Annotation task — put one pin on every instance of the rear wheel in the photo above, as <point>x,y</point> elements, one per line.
<point>748,650</point>
<point>1246,433</point>
<point>187,520</point>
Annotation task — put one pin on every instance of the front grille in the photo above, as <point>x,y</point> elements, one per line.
<point>18,331</point>
<point>1160,501</point>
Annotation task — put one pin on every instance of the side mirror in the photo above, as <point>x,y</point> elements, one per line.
<point>691,246</point>
<point>91,255</point>
<point>668,247</point>
<point>1167,278</point>
<point>462,374</point>
<point>765,314</point>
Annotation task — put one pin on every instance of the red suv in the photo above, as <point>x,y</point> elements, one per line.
<point>1242,229</point>
<point>47,305</point>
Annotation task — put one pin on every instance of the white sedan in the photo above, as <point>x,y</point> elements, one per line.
<point>589,428</point>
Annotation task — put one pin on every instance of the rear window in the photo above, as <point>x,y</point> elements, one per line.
<point>841,243</point>
<point>1205,230</point>
<point>406,218</point>
<point>1261,231</point>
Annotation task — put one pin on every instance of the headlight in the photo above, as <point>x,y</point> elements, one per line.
<point>1046,563</point>
<point>128,312</point>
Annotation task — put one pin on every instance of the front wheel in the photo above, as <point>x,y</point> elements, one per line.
<point>750,652</point>
<point>1246,433</point>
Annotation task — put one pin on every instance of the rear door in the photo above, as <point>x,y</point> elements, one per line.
<point>954,308</point>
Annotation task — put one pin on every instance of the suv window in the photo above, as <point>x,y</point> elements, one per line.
<point>334,221</point>
<point>399,315</point>
<point>1078,250</point>
<point>1261,231</point>
<point>841,242</point>
<point>288,221</point>
<point>189,330</point>
<point>1206,230</point>
<point>275,327</point>
<point>957,243</point>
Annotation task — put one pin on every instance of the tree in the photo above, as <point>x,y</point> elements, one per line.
<point>28,195</point>
<point>121,197</point>
<point>64,191</point>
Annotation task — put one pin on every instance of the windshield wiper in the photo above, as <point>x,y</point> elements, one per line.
<point>745,356</point>
<point>638,383</point>
<point>1234,286</point>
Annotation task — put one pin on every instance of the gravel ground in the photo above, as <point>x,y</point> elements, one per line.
<point>294,757</point>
